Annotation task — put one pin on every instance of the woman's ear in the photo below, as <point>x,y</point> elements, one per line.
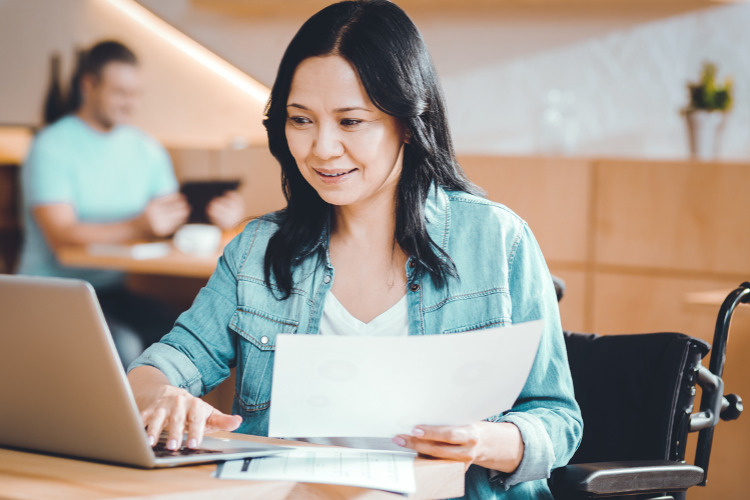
<point>407,136</point>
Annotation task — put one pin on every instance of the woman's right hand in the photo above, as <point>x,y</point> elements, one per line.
<point>166,407</point>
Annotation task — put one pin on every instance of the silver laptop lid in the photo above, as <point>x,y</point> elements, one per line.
<point>64,389</point>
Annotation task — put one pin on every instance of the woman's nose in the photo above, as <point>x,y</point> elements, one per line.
<point>327,143</point>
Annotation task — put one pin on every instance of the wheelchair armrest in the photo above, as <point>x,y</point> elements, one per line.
<point>642,476</point>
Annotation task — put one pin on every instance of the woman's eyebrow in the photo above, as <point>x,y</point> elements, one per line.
<point>337,110</point>
<point>351,108</point>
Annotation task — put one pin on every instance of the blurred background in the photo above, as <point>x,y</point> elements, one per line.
<point>571,112</point>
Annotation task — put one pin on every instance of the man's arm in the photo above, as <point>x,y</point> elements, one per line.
<point>61,227</point>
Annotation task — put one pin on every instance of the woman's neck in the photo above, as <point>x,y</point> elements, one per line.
<point>370,265</point>
<point>372,224</point>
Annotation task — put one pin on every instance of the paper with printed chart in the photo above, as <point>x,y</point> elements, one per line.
<point>334,386</point>
<point>320,464</point>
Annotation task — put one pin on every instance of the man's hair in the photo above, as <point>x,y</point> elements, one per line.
<point>392,62</point>
<point>103,53</point>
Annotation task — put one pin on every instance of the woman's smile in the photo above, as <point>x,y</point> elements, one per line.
<point>334,176</point>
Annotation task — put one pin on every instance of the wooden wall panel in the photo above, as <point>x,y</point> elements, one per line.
<point>637,303</point>
<point>551,194</point>
<point>573,303</point>
<point>673,216</point>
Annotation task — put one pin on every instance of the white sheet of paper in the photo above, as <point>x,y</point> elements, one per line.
<point>312,464</point>
<point>332,386</point>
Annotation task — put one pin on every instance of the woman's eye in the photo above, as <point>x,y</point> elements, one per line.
<point>350,122</point>
<point>300,120</point>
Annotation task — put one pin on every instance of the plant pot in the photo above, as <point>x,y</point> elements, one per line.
<point>704,133</point>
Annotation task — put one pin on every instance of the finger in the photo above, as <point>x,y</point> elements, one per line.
<point>178,197</point>
<point>196,423</point>
<point>172,203</point>
<point>453,434</point>
<point>176,425</point>
<point>167,199</point>
<point>219,421</point>
<point>436,449</point>
<point>154,421</point>
<point>175,208</point>
<point>217,208</point>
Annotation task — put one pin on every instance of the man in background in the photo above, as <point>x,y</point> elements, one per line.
<point>92,178</point>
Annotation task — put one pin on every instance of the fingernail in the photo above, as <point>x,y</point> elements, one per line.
<point>192,443</point>
<point>172,444</point>
<point>399,441</point>
<point>151,441</point>
<point>417,432</point>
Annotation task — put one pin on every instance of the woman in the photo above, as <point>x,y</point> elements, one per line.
<point>381,236</point>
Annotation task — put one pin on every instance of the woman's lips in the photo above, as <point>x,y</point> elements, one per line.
<point>334,177</point>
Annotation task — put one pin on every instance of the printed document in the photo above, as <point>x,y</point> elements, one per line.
<point>313,464</point>
<point>333,386</point>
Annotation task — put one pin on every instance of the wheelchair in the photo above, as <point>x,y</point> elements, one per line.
<point>637,395</point>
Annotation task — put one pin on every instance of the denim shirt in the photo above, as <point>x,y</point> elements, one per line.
<point>502,280</point>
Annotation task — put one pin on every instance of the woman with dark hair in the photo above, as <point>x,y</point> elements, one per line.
<point>382,235</point>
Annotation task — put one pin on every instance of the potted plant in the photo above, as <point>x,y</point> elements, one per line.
<point>706,113</point>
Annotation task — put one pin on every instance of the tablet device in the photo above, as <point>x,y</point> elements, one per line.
<point>200,193</point>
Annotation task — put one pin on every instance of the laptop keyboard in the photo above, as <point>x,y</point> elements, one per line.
<point>161,451</point>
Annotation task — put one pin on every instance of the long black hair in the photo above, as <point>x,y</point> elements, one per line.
<point>395,68</point>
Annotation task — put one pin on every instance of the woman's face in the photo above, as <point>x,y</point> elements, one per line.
<point>346,148</point>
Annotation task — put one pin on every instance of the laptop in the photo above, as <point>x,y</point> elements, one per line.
<point>63,388</point>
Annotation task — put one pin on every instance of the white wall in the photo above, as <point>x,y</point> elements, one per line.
<point>628,87</point>
<point>626,70</point>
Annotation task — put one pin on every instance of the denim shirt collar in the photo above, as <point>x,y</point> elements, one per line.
<point>437,216</point>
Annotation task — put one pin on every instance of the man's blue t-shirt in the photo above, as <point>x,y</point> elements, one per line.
<point>104,176</point>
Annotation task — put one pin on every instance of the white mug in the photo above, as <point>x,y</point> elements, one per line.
<point>201,239</point>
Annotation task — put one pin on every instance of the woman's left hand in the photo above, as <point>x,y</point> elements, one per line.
<point>494,445</point>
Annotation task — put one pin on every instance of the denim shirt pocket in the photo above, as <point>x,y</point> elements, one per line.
<point>256,344</point>
<point>464,312</point>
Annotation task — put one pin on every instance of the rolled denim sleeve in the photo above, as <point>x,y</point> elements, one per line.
<point>177,367</point>
<point>546,411</point>
<point>199,352</point>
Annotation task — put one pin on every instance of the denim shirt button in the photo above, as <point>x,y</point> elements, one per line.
<point>414,287</point>
<point>412,263</point>
<point>327,279</point>
<point>264,340</point>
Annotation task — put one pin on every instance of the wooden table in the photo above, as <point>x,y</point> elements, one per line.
<point>175,263</point>
<point>36,476</point>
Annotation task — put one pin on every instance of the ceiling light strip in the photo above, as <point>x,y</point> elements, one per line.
<point>193,49</point>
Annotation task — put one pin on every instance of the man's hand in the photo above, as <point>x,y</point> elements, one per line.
<point>165,214</point>
<point>227,210</point>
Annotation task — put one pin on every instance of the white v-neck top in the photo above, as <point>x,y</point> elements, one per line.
<point>336,320</point>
